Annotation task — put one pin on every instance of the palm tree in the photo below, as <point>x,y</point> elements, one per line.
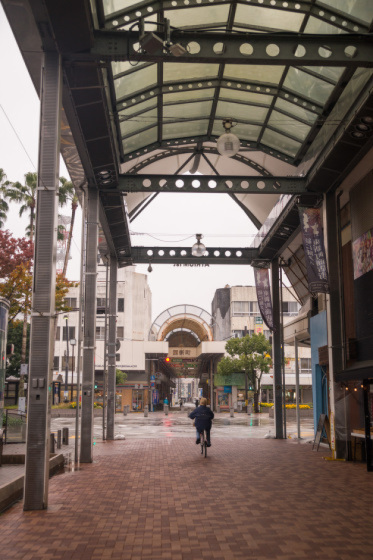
<point>4,185</point>
<point>26,195</point>
<point>67,193</point>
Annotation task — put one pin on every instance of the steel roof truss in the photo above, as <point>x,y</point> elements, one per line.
<point>251,48</point>
<point>211,184</point>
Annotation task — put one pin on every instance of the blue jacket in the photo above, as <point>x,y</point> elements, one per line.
<point>202,416</point>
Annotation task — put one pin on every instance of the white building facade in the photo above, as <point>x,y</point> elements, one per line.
<point>132,327</point>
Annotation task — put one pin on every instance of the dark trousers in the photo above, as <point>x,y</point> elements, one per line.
<point>207,430</point>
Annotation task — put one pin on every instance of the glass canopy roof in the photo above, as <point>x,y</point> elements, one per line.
<point>278,109</point>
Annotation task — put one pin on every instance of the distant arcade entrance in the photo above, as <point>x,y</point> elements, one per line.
<point>192,354</point>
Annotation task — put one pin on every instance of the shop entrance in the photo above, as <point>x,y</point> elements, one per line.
<point>137,399</point>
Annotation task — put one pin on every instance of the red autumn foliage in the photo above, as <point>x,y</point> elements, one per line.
<point>14,252</point>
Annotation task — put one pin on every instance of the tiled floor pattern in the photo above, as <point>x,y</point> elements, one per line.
<point>160,499</point>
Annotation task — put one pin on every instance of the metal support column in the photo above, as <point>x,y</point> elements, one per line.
<point>212,384</point>
<point>89,328</point>
<point>340,433</point>
<point>111,386</point>
<point>43,289</point>
<point>276,350</point>
<point>297,385</point>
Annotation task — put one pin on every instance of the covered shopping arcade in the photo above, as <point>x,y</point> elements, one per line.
<point>129,90</point>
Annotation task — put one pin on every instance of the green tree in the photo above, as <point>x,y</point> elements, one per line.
<point>250,355</point>
<point>121,376</point>
<point>15,329</point>
<point>25,194</point>
<point>4,185</point>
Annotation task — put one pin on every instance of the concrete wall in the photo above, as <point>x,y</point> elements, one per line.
<point>220,310</point>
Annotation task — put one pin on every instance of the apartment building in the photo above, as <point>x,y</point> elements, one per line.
<point>132,328</point>
<point>235,313</point>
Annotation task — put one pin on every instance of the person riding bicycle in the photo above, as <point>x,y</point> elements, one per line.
<point>202,415</point>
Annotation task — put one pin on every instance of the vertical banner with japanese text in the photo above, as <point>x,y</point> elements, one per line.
<point>314,249</point>
<point>263,292</point>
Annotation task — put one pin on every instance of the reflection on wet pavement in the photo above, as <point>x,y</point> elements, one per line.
<point>177,424</point>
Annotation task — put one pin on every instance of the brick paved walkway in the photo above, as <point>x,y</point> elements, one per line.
<point>160,499</point>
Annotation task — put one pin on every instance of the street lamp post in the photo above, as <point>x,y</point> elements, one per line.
<point>72,342</point>
<point>66,392</point>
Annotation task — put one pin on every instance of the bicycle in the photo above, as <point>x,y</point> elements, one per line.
<point>203,439</point>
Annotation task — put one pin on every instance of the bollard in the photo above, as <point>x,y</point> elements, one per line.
<point>165,408</point>
<point>218,408</point>
<point>52,441</point>
<point>59,439</point>
<point>231,412</point>
<point>146,411</point>
<point>125,410</point>
<point>65,436</point>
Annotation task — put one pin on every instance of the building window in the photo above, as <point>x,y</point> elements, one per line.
<point>242,308</point>
<point>58,333</point>
<point>267,333</point>
<point>305,365</point>
<point>56,362</point>
<point>120,333</point>
<point>290,308</point>
<point>100,333</point>
<point>241,334</point>
<point>71,333</point>
<point>71,302</point>
<point>120,305</point>
<point>101,306</point>
<point>117,357</point>
<point>71,364</point>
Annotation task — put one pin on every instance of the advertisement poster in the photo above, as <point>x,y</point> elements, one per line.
<point>263,292</point>
<point>258,327</point>
<point>362,254</point>
<point>314,249</point>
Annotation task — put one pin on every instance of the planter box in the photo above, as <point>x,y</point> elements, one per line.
<point>291,413</point>
<point>71,412</point>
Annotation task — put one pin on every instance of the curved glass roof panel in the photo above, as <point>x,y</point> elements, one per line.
<point>296,111</point>
<point>136,81</point>
<point>132,108</point>
<point>279,142</point>
<point>258,74</point>
<point>277,106</point>
<point>142,120</point>
<point>267,18</point>
<point>189,95</point>
<point>185,129</point>
<point>173,72</point>
<point>140,140</point>
<point>284,123</point>
<point>360,9</point>
<point>186,110</point>
<point>242,111</point>
<point>309,86</point>
<point>246,96</point>
<point>197,16</point>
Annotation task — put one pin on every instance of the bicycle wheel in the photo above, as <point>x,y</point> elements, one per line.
<point>202,438</point>
<point>205,446</point>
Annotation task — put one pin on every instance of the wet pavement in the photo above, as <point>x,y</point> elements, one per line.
<point>177,424</point>
<point>152,496</point>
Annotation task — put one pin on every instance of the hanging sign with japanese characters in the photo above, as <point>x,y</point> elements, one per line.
<point>314,250</point>
<point>263,293</point>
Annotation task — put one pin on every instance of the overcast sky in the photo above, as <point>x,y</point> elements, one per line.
<point>216,216</point>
